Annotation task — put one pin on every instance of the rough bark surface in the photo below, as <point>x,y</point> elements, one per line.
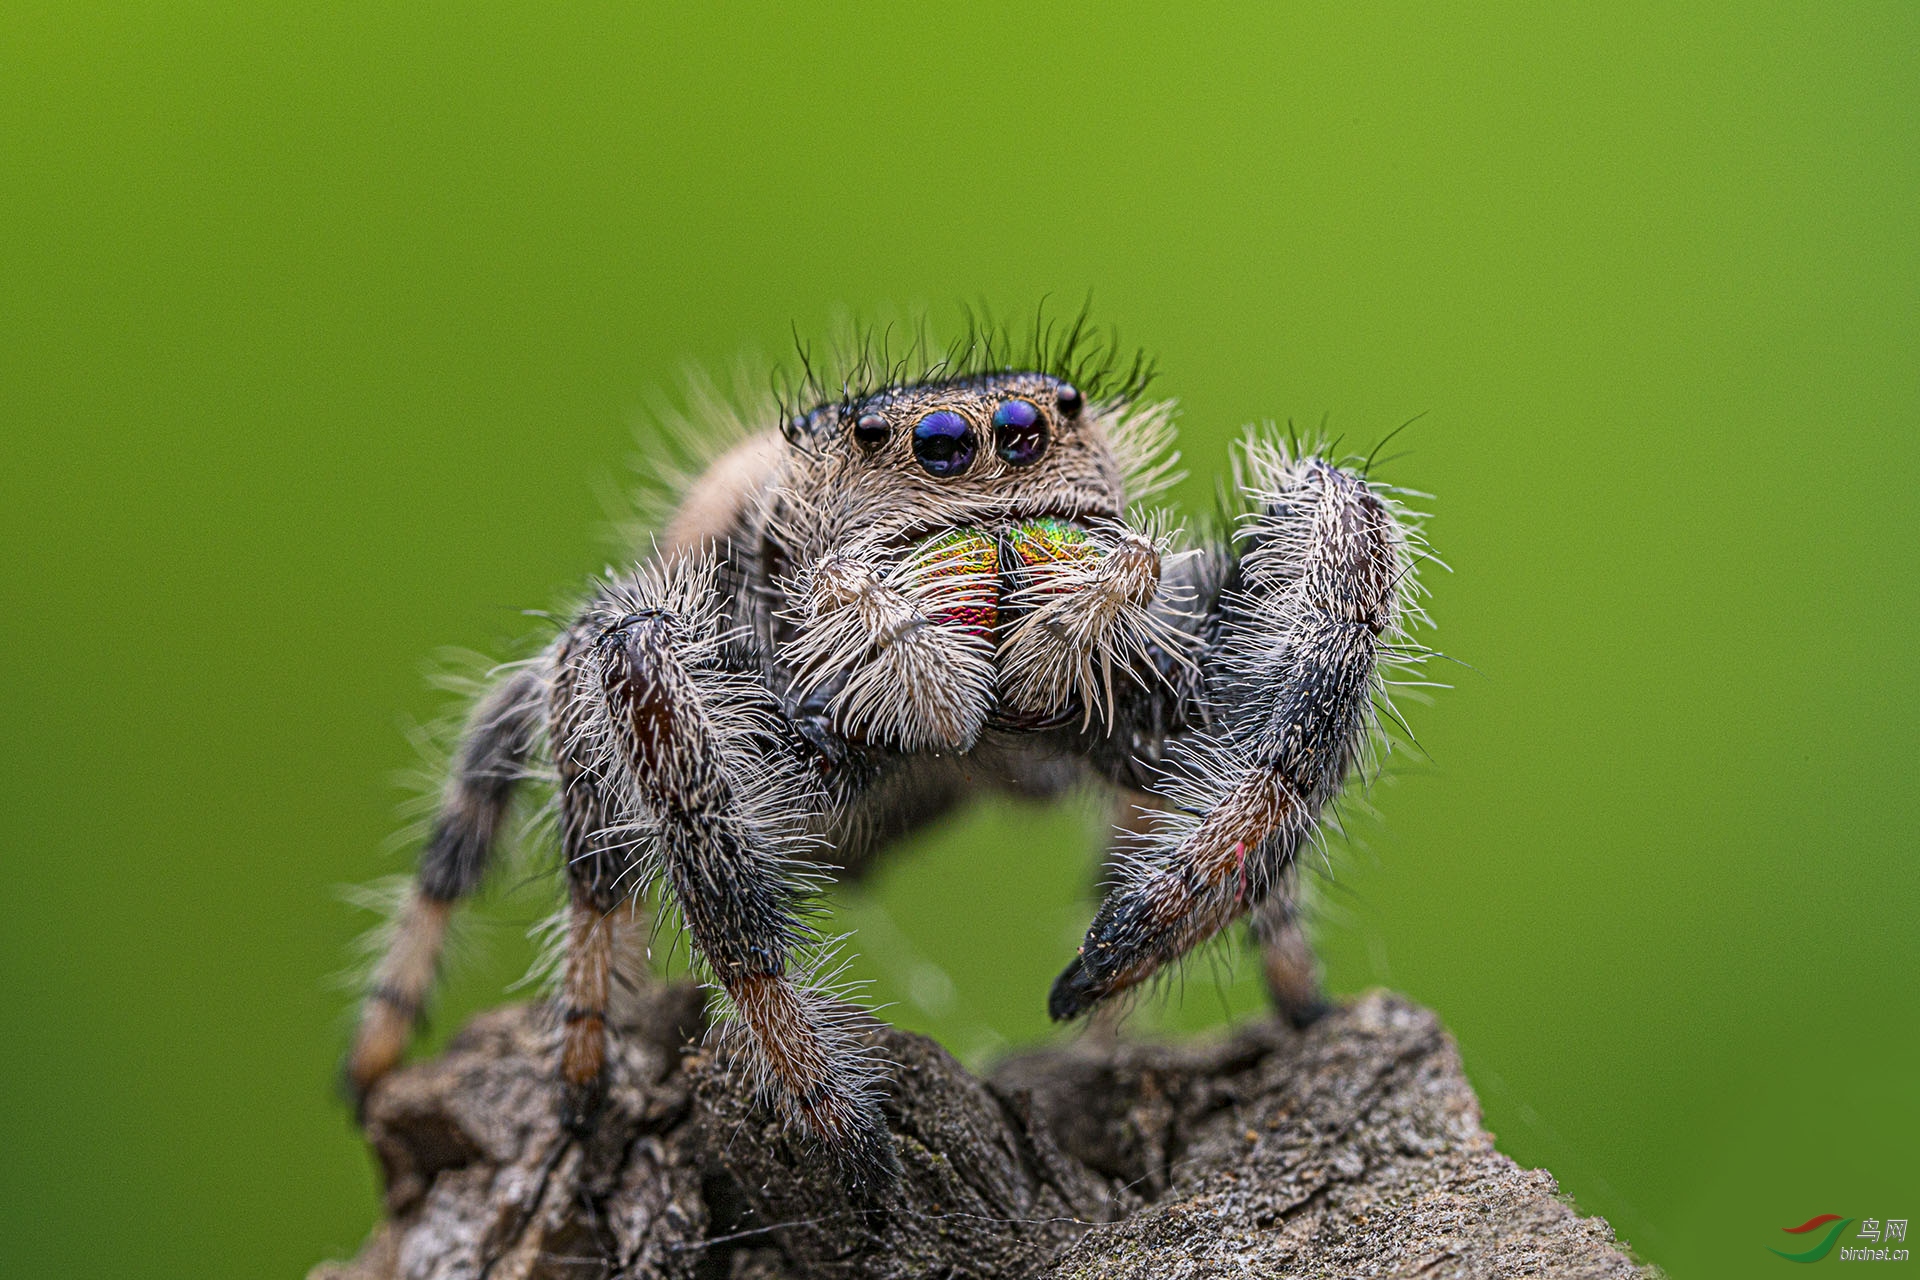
<point>1351,1149</point>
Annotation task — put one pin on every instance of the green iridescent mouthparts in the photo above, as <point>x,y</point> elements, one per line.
<point>1045,540</point>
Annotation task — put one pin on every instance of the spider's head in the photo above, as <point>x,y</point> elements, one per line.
<point>985,450</point>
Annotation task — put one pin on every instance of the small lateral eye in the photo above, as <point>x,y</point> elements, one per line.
<point>1067,396</point>
<point>1019,433</point>
<point>871,431</point>
<point>943,443</point>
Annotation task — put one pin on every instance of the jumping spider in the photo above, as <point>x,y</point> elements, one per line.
<point>917,589</point>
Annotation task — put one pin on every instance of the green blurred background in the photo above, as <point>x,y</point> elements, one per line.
<point>323,328</point>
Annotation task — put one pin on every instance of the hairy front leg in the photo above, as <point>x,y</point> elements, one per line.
<point>1292,668</point>
<point>722,819</point>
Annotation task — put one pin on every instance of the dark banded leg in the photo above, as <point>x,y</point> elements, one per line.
<point>656,714</point>
<point>586,986</point>
<point>392,1004</point>
<point>1287,962</point>
<point>493,752</point>
<point>605,872</point>
<point>1292,668</point>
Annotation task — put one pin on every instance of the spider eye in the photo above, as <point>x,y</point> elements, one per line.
<point>1019,433</point>
<point>1067,396</point>
<point>871,431</point>
<point>943,443</point>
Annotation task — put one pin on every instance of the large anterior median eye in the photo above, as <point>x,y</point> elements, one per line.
<point>1019,433</point>
<point>943,443</point>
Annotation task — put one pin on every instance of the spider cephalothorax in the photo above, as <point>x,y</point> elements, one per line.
<point>874,606</point>
<point>991,507</point>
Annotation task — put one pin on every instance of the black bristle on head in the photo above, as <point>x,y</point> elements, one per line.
<point>1089,362</point>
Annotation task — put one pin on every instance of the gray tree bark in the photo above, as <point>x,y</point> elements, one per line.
<point>1351,1149</point>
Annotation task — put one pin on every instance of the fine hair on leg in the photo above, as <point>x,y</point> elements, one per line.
<point>500,734</point>
<point>707,797</point>
<point>1323,580</point>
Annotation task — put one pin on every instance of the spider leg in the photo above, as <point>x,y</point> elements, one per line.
<point>1287,962</point>
<point>1319,576</point>
<point>499,735</point>
<point>645,712</point>
<point>900,654</point>
<point>604,870</point>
